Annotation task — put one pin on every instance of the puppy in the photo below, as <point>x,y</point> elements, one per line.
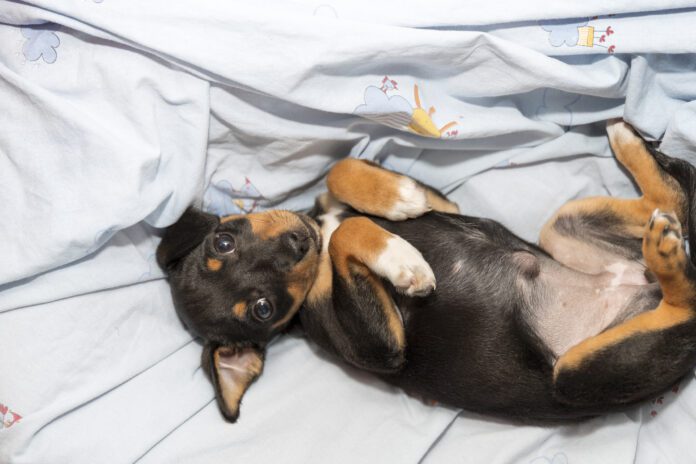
<point>386,275</point>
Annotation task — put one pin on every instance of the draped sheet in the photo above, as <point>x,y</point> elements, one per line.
<point>116,115</point>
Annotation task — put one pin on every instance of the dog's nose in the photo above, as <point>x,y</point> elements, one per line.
<point>297,243</point>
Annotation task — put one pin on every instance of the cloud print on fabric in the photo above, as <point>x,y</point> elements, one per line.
<point>41,43</point>
<point>556,106</point>
<point>223,199</point>
<point>218,199</point>
<point>391,111</point>
<point>563,31</point>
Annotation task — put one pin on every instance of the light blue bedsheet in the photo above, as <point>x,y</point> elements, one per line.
<point>116,115</point>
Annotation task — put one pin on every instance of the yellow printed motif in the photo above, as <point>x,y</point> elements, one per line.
<point>586,36</point>
<point>579,32</point>
<point>395,111</point>
<point>421,123</point>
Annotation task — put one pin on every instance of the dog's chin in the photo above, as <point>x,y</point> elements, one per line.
<point>217,339</point>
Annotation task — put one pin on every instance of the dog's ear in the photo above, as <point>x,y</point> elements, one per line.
<point>183,236</point>
<point>232,370</point>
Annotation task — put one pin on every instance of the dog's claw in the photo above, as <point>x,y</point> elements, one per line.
<point>421,286</point>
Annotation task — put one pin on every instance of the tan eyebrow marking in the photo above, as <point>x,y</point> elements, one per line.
<point>270,224</point>
<point>214,264</point>
<point>239,309</point>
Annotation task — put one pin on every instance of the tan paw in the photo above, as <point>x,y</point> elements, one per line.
<point>663,245</point>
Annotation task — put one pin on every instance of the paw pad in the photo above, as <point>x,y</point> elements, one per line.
<point>663,244</point>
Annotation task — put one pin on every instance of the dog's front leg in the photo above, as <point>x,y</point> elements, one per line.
<point>371,189</point>
<point>350,311</point>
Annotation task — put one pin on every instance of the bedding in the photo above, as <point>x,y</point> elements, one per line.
<point>114,116</point>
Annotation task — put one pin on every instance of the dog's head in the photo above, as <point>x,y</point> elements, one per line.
<point>237,282</point>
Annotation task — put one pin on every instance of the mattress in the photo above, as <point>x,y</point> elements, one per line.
<point>117,115</point>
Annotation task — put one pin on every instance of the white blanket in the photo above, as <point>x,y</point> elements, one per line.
<point>116,115</point>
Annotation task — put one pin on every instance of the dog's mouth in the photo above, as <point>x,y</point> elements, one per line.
<point>313,230</point>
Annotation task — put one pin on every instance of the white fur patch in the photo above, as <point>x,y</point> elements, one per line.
<point>458,266</point>
<point>618,269</point>
<point>624,274</point>
<point>329,223</point>
<point>412,201</point>
<point>619,131</point>
<point>403,265</point>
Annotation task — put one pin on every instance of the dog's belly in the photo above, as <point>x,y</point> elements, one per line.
<point>572,306</point>
<point>590,258</point>
<point>474,357</point>
<point>466,343</point>
<point>487,338</point>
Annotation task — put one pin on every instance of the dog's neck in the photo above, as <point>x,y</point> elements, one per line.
<point>327,216</point>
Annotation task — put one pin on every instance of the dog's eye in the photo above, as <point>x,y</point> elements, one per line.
<point>262,309</point>
<point>224,243</point>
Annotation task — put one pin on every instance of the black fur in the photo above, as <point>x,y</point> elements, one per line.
<point>204,299</point>
<point>685,174</point>
<point>470,343</point>
<point>185,235</point>
<point>601,228</point>
<point>647,362</point>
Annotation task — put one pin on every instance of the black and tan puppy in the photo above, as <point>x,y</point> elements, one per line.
<point>599,316</point>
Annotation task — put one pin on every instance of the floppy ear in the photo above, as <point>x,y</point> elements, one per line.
<point>184,235</point>
<point>232,370</point>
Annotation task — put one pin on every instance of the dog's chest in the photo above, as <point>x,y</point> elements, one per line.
<point>329,222</point>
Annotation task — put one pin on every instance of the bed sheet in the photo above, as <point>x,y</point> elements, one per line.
<point>115,116</point>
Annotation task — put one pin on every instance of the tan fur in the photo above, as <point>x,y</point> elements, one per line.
<point>268,224</point>
<point>300,281</point>
<point>664,317</point>
<point>239,309</point>
<point>229,218</point>
<point>357,239</point>
<point>659,190</point>
<point>298,291</point>
<point>364,186</point>
<point>441,204</point>
<point>663,253</point>
<point>233,391</point>
<point>271,224</point>
<point>213,264</point>
<point>355,245</point>
<point>666,259</point>
<point>323,284</point>
<point>394,322</point>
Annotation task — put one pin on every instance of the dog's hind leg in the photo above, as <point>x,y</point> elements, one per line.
<point>592,234</point>
<point>371,189</point>
<point>648,352</point>
<point>357,318</point>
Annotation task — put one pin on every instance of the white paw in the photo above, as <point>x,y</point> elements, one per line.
<point>405,268</point>
<point>619,131</point>
<point>412,202</point>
